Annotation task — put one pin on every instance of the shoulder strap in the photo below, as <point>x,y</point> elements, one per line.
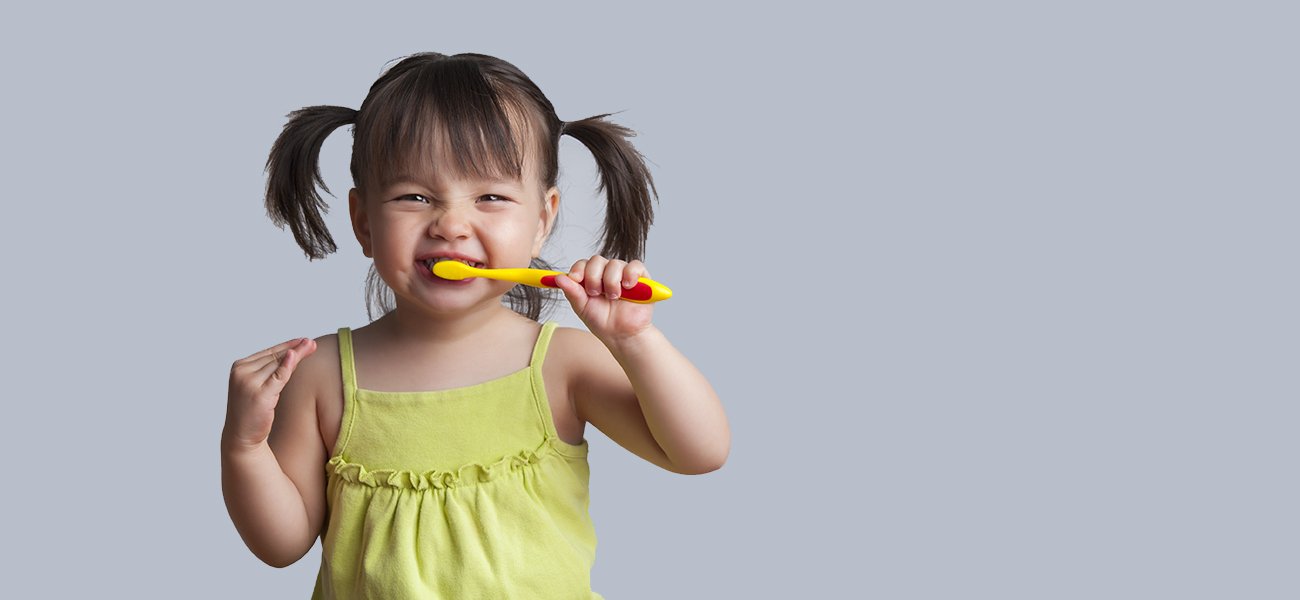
<point>346,360</point>
<point>543,340</point>
<point>539,387</point>
<point>349,391</point>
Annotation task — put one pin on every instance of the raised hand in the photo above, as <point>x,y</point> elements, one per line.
<point>255,385</point>
<point>593,286</point>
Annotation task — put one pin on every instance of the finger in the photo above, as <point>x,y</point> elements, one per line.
<point>292,358</point>
<point>276,349</point>
<point>576,271</point>
<point>274,356</point>
<point>634,271</point>
<point>573,292</point>
<point>266,368</point>
<point>270,363</point>
<point>595,270</point>
<point>306,349</point>
<point>255,367</point>
<point>613,279</point>
<point>276,373</point>
<point>261,363</point>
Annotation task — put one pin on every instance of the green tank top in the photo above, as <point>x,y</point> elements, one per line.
<point>458,493</point>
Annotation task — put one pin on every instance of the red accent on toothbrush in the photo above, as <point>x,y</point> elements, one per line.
<point>640,291</point>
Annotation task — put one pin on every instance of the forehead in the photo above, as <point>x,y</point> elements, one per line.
<point>440,171</point>
<point>435,180</point>
<point>442,155</point>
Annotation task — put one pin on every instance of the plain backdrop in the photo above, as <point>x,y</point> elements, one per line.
<point>1000,297</point>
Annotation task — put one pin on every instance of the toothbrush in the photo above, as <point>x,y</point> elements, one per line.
<point>644,292</point>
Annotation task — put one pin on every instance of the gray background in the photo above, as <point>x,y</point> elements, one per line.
<point>1000,299</point>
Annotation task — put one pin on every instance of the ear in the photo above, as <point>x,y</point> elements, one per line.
<point>360,222</point>
<point>546,220</point>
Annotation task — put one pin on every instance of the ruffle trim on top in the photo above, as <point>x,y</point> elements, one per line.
<point>469,474</point>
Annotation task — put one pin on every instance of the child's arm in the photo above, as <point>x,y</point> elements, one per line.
<point>638,389</point>
<point>272,455</point>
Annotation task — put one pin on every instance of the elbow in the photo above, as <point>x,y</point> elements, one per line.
<point>712,457</point>
<point>279,562</point>
<point>700,469</point>
<point>717,464</point>
<point>280,558</point>
<point>704,459</point>
<point>703,466</point>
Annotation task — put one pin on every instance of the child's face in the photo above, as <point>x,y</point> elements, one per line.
<point>493,224</point>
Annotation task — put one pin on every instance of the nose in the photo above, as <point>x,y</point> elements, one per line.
<point>450,224</point>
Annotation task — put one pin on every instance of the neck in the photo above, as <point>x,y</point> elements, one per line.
<point>411,326</point>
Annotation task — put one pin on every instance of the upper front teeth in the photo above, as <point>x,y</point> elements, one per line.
<point>429,262</point>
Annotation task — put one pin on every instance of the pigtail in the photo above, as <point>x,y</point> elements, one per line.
<point>291,197</point>
<point>529,301</point>
<point>626,181</point>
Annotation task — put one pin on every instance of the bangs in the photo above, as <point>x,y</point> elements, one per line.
<point>444,119</point>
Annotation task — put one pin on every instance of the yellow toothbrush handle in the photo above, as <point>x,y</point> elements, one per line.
<point>531,277</point>
<point>644,292</point>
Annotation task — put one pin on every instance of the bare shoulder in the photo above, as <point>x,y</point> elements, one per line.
<point>574,349</point>
<point>296,436</point>
<point>317,382</point>
<point>572,339</point>
<point>563,357</point>
<point>325,360</point>
<point>602,394</point>
<point>320,370</point>
<point>587,368</point>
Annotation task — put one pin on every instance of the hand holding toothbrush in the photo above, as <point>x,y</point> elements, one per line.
<point>593,286</point>
<point>612,297</point>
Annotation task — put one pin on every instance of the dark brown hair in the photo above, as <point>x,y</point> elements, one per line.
<point>490,117</point>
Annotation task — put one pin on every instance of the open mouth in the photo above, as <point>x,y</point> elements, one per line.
<point>429,262</point>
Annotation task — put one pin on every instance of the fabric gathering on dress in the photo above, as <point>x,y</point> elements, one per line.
<point>464,493</point>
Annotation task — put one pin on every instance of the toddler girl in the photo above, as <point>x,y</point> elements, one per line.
<point>439,451</point>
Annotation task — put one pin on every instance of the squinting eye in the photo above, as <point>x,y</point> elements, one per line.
<point>498,198</point>
<point>413,196</point>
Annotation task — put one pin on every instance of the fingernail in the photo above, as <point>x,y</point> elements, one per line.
<point>612,296</point>
<point>628,284</point>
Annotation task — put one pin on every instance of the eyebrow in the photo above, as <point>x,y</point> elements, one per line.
<point>414,181</point>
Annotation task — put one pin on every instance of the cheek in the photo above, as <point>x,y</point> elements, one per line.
<point>391,243</point>
<point>525,236</point>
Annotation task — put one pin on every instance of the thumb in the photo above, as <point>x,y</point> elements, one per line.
<point>574,291</point>
<point>289,362</point>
